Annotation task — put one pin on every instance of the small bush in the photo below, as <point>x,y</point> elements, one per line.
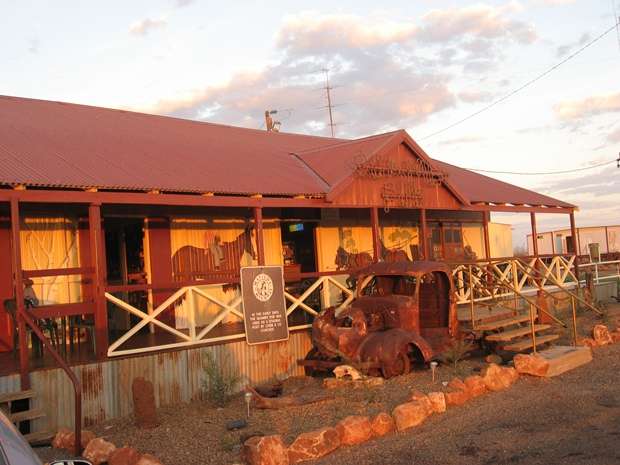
<point>217,385</point>
<point>456,353</point>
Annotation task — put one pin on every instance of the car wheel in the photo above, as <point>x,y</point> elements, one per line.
<point>401,365</point>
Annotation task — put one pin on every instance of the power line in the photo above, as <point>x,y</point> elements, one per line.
<point>527,84</point>
<point>545,172</point>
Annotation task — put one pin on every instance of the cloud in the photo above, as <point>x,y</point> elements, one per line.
<point>462,140</point>
<point>614,136</point>
<point>144,26</point>
<point>565,49</point>
<point>473,96</point>
<point>182,3</point>
<point>33,46</point>
<point>387,73</point>
<point>579,110</point>
<point>553,2</point>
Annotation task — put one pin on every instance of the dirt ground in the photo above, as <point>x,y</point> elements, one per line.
<point>574,418</point>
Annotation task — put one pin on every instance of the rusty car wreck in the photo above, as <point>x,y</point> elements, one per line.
<point>402,313</point>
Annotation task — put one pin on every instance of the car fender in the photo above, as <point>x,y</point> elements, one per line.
<point>383,346</point>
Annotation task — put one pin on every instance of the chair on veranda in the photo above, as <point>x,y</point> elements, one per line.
<point>77,323</point>
<point>49,325</point>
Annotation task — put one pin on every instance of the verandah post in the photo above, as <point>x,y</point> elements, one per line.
<point>18,285</point>
<point>423,234</point>
<point>487,242</point>
<point>98,264</point>
<point>573,231</point>
<point>260,245</point>
<point>374,222</point>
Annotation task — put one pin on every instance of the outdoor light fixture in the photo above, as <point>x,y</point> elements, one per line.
<point>433,368</point>
<point>248,399</point>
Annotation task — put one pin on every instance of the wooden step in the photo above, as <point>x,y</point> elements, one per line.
<point>503,323</point>
<point>527,343</point>
<point>515,333</point>
<point>26,415</point>
<point>13,396</point>
<point>39,437</point>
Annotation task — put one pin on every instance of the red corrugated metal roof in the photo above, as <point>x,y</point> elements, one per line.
<point>62,145</point>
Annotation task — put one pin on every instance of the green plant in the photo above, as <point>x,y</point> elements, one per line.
<point>217,385</point>
<point>458,350</point>
<point>228,442</point>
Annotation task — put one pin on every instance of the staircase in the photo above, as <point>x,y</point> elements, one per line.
<point>18,408</point>
<point>514,334</point>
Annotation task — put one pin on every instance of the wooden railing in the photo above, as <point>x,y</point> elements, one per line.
<point>200,335</point>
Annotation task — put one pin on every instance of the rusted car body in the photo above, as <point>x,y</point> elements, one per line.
<point>402,313</point>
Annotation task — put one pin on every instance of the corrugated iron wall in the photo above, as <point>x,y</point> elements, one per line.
<point>176,376</point>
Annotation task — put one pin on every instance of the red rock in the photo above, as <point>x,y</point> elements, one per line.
<point>382,424</point>
<point>314,444</point>
<point>354,430</point>
<point>264,450</point>
<point>496,378</point>
<point>438,401</point>
<point>98,451</point>
<point>588,342</point>
<point>457,397</point>
<point>65,439</point>
<point>60,439</point>
<point>409,415</point>
<point>148,459</point>
<point>600,334</point>
<point>511,373</point>
<point>144,403</point>
<point>533,365</point>
<point>124,456</point>
<point>475,385</point>
<point>423,399</point>
<point>615,336</point>
<point>457,384</point>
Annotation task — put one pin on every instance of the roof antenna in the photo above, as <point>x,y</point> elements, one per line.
<point>270,124</point>
<point>328,88</point>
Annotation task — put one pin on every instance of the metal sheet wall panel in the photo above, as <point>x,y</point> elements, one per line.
<point>176,376</point>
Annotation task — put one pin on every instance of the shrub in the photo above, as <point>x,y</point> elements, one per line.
<point>217,385</point>
<point>458,350</point>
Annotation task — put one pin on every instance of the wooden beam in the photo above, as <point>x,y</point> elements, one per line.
<point>607,239</point>
<point>374,222</point>
<point>258,225</point>
<point>534,233</point>
<point>98,260</point>
<point>574,238</point>
<point>18,285</point>
<point>487,242</point>
<point>424,234</point>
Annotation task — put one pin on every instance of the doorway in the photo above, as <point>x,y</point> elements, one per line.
<point>298,245</point>
<point>124,245</point>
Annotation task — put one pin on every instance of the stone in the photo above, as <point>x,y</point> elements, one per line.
<point>511,373</point>
<point>588,342</point>
<point>347,372</point>
<point>314,444</point>
<point>497,378</point>
<point>600,334</point>
<point>124,456</point>
<point>533,365</point>
<point>494,358</point>
<point>457,384</point>
<point>423,399</point>
<point>148,459</point>
<point>382,424</point>
<point>457,397</point>
<point>615,336</point>
<point>265,450</point>
<point>354,430</point>
<point>65,439</point>
<point>60,439</point>
<point>438,401</point>
<point>144,403</point>
<point>98,451</point>
<point>409,414</point>
<point>475,385</point>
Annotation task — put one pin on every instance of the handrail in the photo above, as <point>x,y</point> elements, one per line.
<point>30,320</point>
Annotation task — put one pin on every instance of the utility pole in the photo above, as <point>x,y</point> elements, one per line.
<point>328,88</point>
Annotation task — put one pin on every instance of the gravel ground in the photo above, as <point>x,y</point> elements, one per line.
<point>574,418</point>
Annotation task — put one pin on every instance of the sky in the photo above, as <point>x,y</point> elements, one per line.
<point>419,65</point>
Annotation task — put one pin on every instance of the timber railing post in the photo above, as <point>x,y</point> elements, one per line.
<point>18,285</point>
<point>575,242</point>
<point>572,301</point>
<point>471,299</point>
<point>374,222</point>
<point>97,255</point>
<point>260,245</point>
<point>423,235</point>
